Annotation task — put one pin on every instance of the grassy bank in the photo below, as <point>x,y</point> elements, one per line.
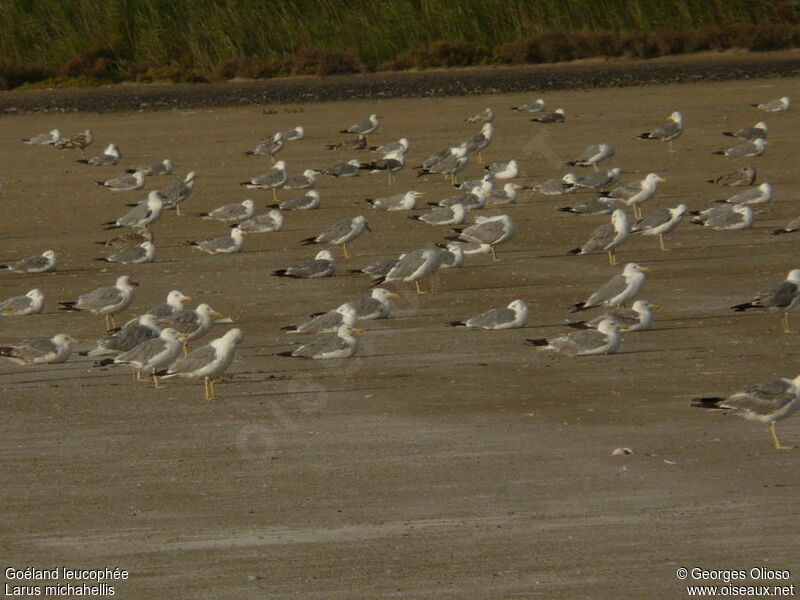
<point>93,41</point>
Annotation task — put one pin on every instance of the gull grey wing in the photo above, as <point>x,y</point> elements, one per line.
<point>493,318</point>
<point>100,298</point>
<point>653,220</point>
<point>335,231</point>
<point>601,237</point>
<point>763,398</point>
<point>321,346</point>
<point>613,287</point>
<point>197,359</point>
<point>484,233</point>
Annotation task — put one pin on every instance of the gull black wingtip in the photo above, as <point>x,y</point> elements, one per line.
<point>537,342</point>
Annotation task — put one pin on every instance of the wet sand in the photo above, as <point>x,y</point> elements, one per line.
<point>439,463</point>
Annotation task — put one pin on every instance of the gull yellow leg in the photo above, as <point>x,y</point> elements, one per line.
<point>479,157</point>
<point>346,253</point>
<point>494,255</point>
<point>212,390</point>
<point>778,445</point>
<point>661,243</point>
<point>595,167</point>
<point>156,382</point>
<point>419,291</point>
<point>785,321</point>
<point>186,348</point>
<point>274,195</point>
<point>205,388</point>
<point>612,257</point>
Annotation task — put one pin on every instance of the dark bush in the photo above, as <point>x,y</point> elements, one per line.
<point>96,62</point>
<point>245,66</point>
<point>442,54</point>
<point>12,76</point>
<point>320,61</point>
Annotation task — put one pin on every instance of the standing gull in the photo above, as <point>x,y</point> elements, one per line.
<point>452,256</point>
<point>228,244</point>
<point>271,180</point>
<point>488,230</point>
<point>131,334</point>
<point>340,233</point>
<point>637,192</point>
<point>40,351</point>
<point>618,290</point>
<point>343,344</point>
<point>746,150</point>
<point>480,141</point>
<point>782,297</point>
<point>777,105</point>
<point>592,156</point>
<point>322,265</point>
<point>603,340</point>
<point>607,238</point>
<point>413,266</point>
<point>142,214</point>
<point>767,402</point>
<point>268,147</point>
<point>174,303</point>
<point>449,166</point>
<point>41,263</point>
<point>106,301</point>
<point>32,303</point>
<point>364,127</point>
<point>179,191</point>
<point>151,355</point>
<point>194,324</point>
<point>660,222</point>
<point>307,179</point>
<point>667,132</point>
<point>81,141</point>
<point>390,163</point>
<point>513,316</point>
<point>208,362</point>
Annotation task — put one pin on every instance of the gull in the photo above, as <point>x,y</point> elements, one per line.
<point>389,147</point>
<point>726,217</point>
<point>777,105</point>
<point>559,115</point>
<point>452,256</point>
<point>667,132</point>
<point>637,192</point>
<point>128,238</point>
<point>228,244</point>
<point>124,183</point>
<point>480,141</point>
<point>32,303</point>
<point>607,238</point>
<point>45,262</point>
<point>348,169</point>
<point>443,215</point>
<point>474,199</point>
<point>208,362</point>
<point>179,191</point>
<point>109,158</point>
<point>513,316</point>
<point>162,167</point>
<point>503,170</point>
<point>232,213</point>
<point>340,233</point>
<point>308,179</point>
<point>308,201</point>
<point>508,195</point>
<point>660,222</point>
<point>768,402</point>
<point>637,318</point>
<point>487,181</point>
<point>449,166</point>
<point>44,139</point>
<point>535,106</point>
<point>342,344</point>
<point>759,130</point>
<point>790,227</point>
<point>603,340</point>
<point>488,230</point>
<point>293,134</point>
<point>327,322</point>
<point>173,304</point>
<point>379,268</point>
<point>739,177</point>
<point>469,247</point>
<point>757,195</point>
<point>81,141</point>
<point>391,163</point>
<point>40,351</point>
<point>364,127</point>
<point>142,214</point>
<point>413,266</point>
<point>592,156</point>
<point>268,222</point>
<point>268,147</point>
<point>596,206</point>
<point>133,255</point>
<point>618,290</point>
<point>377,305</point>
<point>322,265</point>
<point>271,180</point>
<point>194,323</point>
<point>782,297</point>
<point>407,201</point>
<point>746,150</point>
<point>437,157</point>
<point>598,180</point>
<point>106,301</point>
<point>359,143</point>
<point>131,334</point>
<point>152,355</point>
<point>557,187</point>
<point>485,116</point>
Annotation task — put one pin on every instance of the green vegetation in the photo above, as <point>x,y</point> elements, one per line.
<point>199,40</point>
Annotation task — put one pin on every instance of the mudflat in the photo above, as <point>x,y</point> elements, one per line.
<point>439,462</point>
